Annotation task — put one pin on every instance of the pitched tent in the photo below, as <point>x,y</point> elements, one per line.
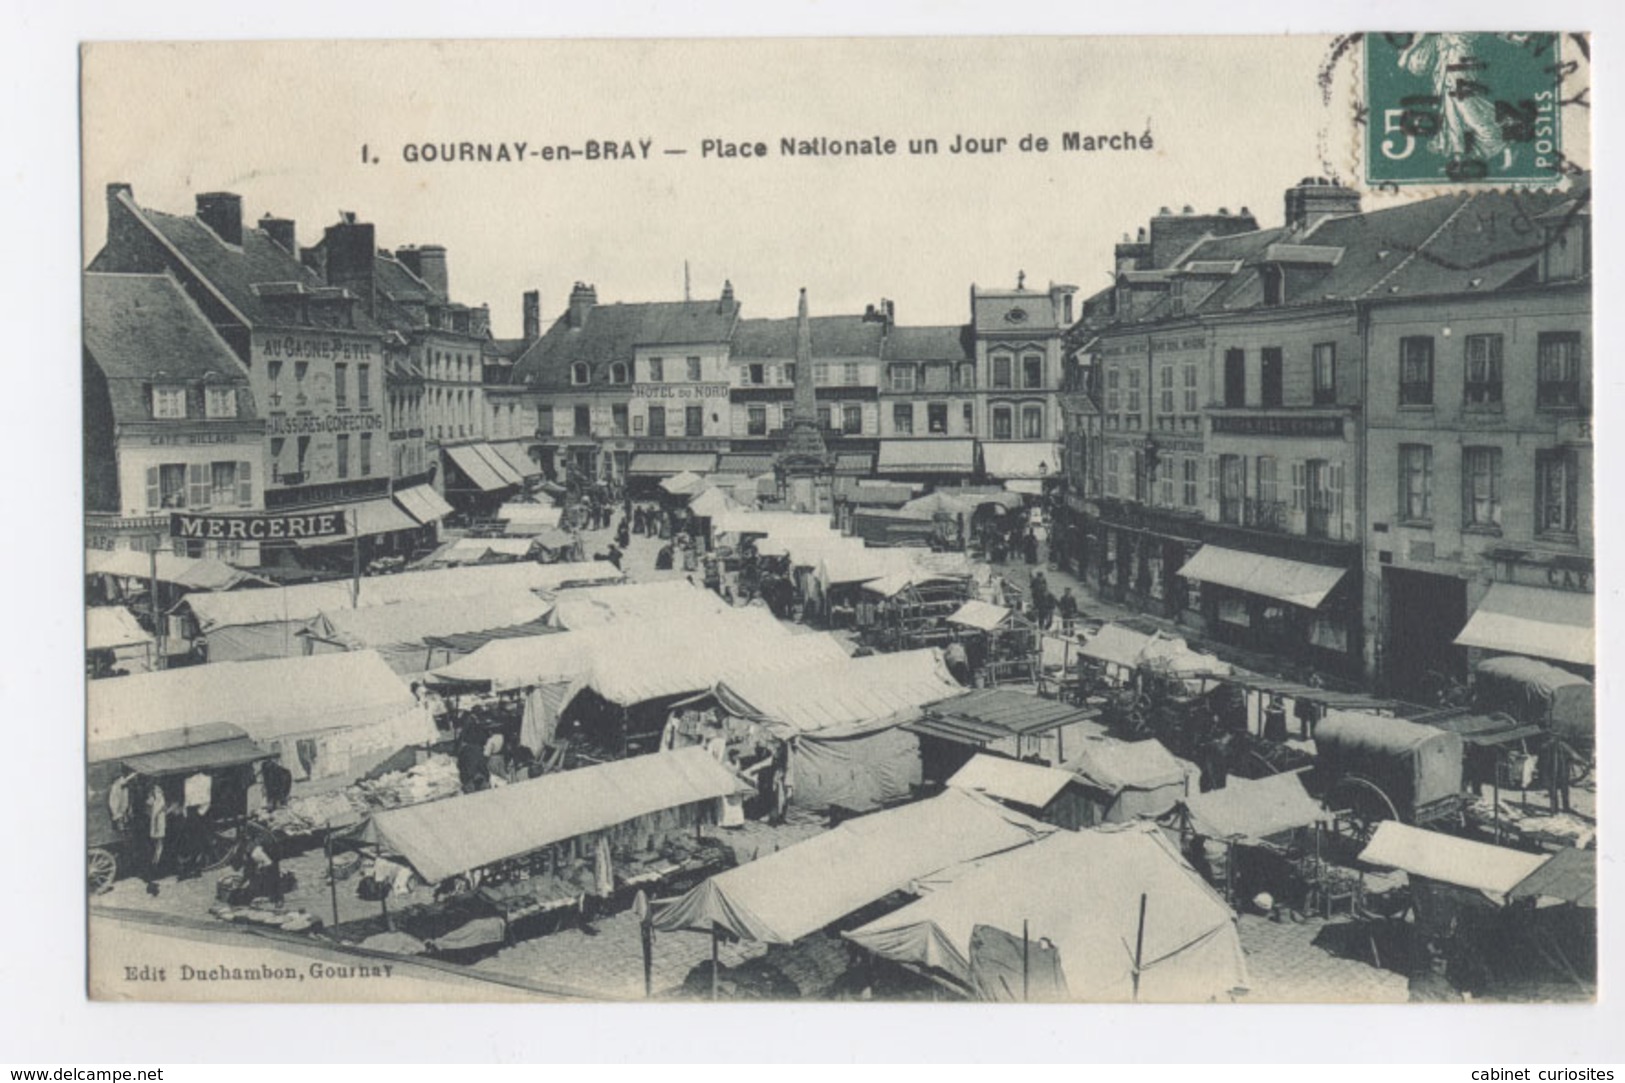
<point>686,483</point>
<point>842,721</point>
<point>1116,645</point>
<point>1131,779</point>
<point>399,632</point>
<point>1570,876</point>
<point>710,502</point>
<point>1081,892</point>
<point>1493,871</point>
<point>1045,793</point>
<point>114,628</point>
<point>329,719</point>
<point>666,599</point>
<point>780,898</point>
<point>1252,810</point>
<point>187,573</point>
<point>783,523</point>
<point>538,514</point>
<point>249,624</point>
<point>481,550</point>
<point>441,839</point>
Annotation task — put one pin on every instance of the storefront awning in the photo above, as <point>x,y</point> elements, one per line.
<point>854,464</point>
<point>1021,460</point>
<point>479,472</point>
<point>1552,624</point>
<point>1290,581</point>
<point>423,504</point>
<point>517,456</point>
<point>659,464</point>
<point>370,517</point>
<point>926,457</point>
<point>496,462</point>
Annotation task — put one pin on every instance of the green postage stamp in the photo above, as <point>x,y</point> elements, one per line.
<point>1464,108</point>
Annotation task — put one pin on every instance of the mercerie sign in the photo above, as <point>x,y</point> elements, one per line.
<point>293,525</point>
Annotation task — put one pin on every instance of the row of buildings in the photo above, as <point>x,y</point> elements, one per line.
<point>228,367</point>
<point>1358,439</point>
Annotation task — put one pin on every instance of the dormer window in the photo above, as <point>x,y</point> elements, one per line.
<point>1274,281</point>
<point>578,373</point>
<point>220,402</point>
<point>169,403</point>
<point>617,373</point>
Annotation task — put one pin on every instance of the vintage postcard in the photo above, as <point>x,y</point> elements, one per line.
<point>1069,519</point>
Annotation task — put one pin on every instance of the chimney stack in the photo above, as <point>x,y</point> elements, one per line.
<point>1314,199</point>
<point>533,315</point>
<point>727,294</point>
<point>351,248</point>
<point>223,213</point>
<point>280,230</point>
<point>582,299</point>
<point>428,262</point>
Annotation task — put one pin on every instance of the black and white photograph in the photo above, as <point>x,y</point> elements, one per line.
<point>892,520</point>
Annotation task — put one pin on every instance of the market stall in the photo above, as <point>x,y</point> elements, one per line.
<point>327,719</point>
<point>115,642</point>
<point>401,633</point>
<point>1047,794</point>
<point>1004,721</point>
<point>1128,780</point>
<point>784,896</point>
<point>1128,919</point>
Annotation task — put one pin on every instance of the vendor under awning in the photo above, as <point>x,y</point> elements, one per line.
<point>1541,623</point>
<point>1290,581</point>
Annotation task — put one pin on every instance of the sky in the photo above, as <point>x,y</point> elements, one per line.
<point>284,125</point>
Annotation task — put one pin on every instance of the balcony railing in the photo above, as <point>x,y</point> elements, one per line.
<point>1256,514</point>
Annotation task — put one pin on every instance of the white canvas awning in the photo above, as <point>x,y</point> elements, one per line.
<point>1552,624</point>
<point>1290,581</point>
<point>110,627</point>
<point>1494,870</point>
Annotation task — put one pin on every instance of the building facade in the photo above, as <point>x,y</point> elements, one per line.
<point>169,419</point>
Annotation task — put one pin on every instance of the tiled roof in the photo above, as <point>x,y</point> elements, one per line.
<point>233,271</point>
<point>139,327</point>
<point>832,336</point>
<point>949,343</point>
<point>611,332</point>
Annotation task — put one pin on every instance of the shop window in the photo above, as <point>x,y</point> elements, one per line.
<point>936,418</point>
<point>1416,371</point>
<point>1482,386</point>
<point>1558,370</point>
<point>1481,487</point>
<point>1415,483</point>
<point>1557,491</point>
<point>902,418</point>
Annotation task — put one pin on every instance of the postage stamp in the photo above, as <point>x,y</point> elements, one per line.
<point>1468,108</point>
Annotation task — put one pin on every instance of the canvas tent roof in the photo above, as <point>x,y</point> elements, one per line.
<point>780,898</point>
<point>542,514</point>
<point>150,742</point>
<point>203,574</point>
<point>860,565</point>
<point>785,523</point>
<point>1117,644</point>
<point>1254,809</point>
<point>663,599</point>
<point>1494,870</point>
<point>305,601</point>
<point>1570,875</point>
<point>709,503</point>
<point>1081,891</point>
<point>440,839</point>
<point>806,550</point>
<point>413,622</point>
<point>683,484</point>
<point>269,699</point>
<point>1113,766</point>
<point>474,550</point>
<point>109,627</point>
<point>983,616</point>
<point>1529,620</point>
<point>1030,784</point>
<point>847,692</point>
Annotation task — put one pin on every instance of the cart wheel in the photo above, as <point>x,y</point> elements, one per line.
<point>102,870</point>
<point>1361,804</point>
<point>1138,721</point>
<point>1579,768</point>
